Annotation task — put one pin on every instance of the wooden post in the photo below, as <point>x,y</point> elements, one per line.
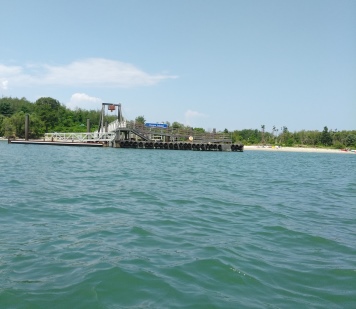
<point>27,126</point>
<point>106,127</point>
<point>88,125</point>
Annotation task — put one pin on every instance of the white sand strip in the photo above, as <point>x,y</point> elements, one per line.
<point>298,149</point>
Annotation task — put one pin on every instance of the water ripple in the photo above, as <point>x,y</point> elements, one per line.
<point>114,228</point>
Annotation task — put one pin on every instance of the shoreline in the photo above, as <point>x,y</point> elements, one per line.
<point>298,149</point>
<point>273,148</point>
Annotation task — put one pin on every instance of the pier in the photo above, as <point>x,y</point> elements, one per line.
<point>128,134</point>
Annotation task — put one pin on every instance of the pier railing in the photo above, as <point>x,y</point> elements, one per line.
<point>80,137</point>
<point>181,134</point>
<point>143,132</point>
<point>116,125</point>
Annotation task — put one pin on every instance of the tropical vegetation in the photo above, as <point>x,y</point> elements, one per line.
<point>49,115</point>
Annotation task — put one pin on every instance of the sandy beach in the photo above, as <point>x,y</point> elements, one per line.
<point>298,149</point>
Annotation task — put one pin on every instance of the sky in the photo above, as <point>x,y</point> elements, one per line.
<point>233,64</point>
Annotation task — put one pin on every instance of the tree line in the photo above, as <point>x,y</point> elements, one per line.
<point>49,115</point>
<point>46,115</point>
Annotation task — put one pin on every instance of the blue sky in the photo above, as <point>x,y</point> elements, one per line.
<point>205,63</point>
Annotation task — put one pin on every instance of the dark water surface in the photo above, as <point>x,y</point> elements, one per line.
<point>121,228</point>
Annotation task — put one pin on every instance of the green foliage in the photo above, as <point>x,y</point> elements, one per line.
<point>80,116</point>
<point>351,140</point>
<point>18,124</point>
<point>6,109</point>
<point>338,145</point>
<point>48,110</point>
<point>15,126</point>
<point>289,142</point>
<point>177,125</point>
<point>9,106</point>
<point>337,139</point>
<point>247,136</point>
<point>198,130</point>
<point>2,118</point>
<point>325,137</point>
<point>48,115</point>
<point>140,120</point>
<point>37,127</point>
<point>8,127</point>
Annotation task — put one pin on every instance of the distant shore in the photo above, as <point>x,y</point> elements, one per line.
<point>283,149</point>
<point>298,149</point>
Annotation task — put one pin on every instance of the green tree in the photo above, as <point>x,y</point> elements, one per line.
<point>16,105</point>
<point>198,130</point>
<point>351,140</point>
<point>263,133</point>
<point>140,120</point>
<point>18,121</point>
<point>285,135</point>
<point>325,137</point>
<point>8,127</point>
<point>2,131</point>
<point>247,136</point>
<point>236,137</point>
<point>6,109</point>
<point>177,125</point>
<point>37,127</point>
<point>48,111</point>
<point>314,137</point>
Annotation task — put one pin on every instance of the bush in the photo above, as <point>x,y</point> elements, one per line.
<point>338,145</point>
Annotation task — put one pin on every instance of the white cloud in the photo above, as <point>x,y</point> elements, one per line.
<point>191,117</point>
<point>94,72</point>
<point>4,84</point>
<point>84,101</point>
<point>10,70</point>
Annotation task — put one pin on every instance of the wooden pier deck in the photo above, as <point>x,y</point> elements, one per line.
<point>56,143</point>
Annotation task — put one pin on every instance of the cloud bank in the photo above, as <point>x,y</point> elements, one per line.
<point>191,117</point>
<point>94,72</point>
<point>84,101</point>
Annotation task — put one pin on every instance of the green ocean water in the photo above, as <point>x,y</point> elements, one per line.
<point>127,228</point>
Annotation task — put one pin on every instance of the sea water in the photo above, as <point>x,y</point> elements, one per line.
<point>125,228</point>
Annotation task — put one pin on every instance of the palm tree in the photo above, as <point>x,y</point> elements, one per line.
<point>263,133</point>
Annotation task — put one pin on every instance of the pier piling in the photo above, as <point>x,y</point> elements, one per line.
<point>27,126</point>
